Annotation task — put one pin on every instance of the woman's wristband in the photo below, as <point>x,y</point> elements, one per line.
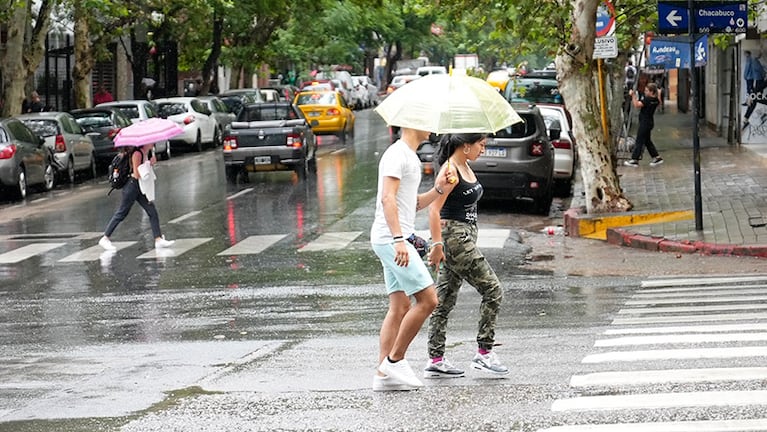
<point>439,243</point>
<point>439,191</point>
<point>398,239</point>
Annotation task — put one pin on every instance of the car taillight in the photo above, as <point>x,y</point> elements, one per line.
<point>562,143</point>
<point>294,140</point>
<point>230,143</point>
<point>113,133</point>
<point>536,148</point>
<point>61,145</point>
<point>8,151</point>
<point>188,120</point>
<point>333,112</point>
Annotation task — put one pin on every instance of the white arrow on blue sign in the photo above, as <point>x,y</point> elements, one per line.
<point>673,18</point>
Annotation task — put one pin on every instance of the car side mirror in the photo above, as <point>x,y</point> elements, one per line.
<point>555,130</point>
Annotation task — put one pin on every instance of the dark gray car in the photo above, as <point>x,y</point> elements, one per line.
<point>518,162</point>
<point>25,160</point>
<point>102,125</point>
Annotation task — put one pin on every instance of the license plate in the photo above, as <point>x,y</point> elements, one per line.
<point>495,152</point>
<point>314,113</point>
<point>262,160</point>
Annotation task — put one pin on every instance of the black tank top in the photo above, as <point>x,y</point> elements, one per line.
<point>461,204</point>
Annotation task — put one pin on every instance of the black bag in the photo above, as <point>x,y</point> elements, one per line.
<point>119,170</point>
<point>419,243</point>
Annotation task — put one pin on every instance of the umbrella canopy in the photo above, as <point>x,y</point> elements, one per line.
<point>448,104</point>
<point>147,132</point>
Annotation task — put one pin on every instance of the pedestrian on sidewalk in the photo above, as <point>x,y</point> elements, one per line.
<point>647,106</point>
<point>453,225</point>
<point>405,273</point>
<point>140,188</point>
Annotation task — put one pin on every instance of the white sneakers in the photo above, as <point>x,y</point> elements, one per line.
<point>161,243</point>
<point>105,243</point>
<point>398,376</point>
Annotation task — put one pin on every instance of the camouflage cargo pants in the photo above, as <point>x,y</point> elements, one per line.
<point>464,262</point>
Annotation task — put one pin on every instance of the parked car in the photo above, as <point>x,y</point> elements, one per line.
<point>400,80</point>
<point>25,160</point>
<point>221,113</point>
<point>140,110</point>
<point>252,93</point>
<point>74,151</point>
<point>565,151</point>
<point>327,113</point>
<point>269,136</point>
<point>534,88</point>
<point>194,117</point>
<point>270,95</point>
<point>518,161</point>
<point>102,125</point>
<point>430,70</point>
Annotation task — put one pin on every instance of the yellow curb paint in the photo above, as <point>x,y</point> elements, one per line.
<point>596,227</point>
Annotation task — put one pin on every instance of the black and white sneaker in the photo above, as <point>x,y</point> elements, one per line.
<point>656,161</point>
<point>442,369</point>
<point>632,163</point>
<point>489,363</point>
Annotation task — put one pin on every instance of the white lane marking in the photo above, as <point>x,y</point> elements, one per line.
<point>704,291</point>
<point>661,400</point>
<point>690,318</point>
<point>180,246</point>
<point>28,251</point>
<point>339,151</point>
<point>730,299</point>
<point>93,253</point>
<point>701,281</point>
<point>685,426</point>
<point>253,244</point>
<point>240,193</point>
<point>184,217</point>
<point>331,241</point>
<point>645,377</point>
<point>681,339</point>
<point>676,354</point>
<point>668,309</point>
<point>688,329</point>
<point>52,236</point>
<point>487,238</point>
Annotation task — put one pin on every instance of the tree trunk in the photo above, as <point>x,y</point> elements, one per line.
<point>81,72</point>
<point>578,74</point>
<point>13,61</point>
<point>33,54</point>
<point>215,52</point>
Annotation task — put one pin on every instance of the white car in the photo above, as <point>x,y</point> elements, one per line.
<point>565,153</point>
<point>140,110</point>
<point>220,113</point>
<point>193,116</point>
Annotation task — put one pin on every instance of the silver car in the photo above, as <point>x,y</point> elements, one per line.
<point>25,160</point>
<point>221,113</point>
<point>73,150</point>
<point>565,152</point>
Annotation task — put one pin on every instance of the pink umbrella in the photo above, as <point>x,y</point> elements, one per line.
<point>147,132</point>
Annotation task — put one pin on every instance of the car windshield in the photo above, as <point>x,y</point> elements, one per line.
<point>171,108</point>
<point>131,111</point>
<point>328,98</point>
<point>550,116</point>
<point>264,113</point>
<point>91,122</point>
<point>43,128</point>
<point>536,90</point>
<point>523,129</point>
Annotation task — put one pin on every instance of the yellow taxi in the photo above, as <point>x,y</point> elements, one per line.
<point>327,113</point>
<point>498,79</point>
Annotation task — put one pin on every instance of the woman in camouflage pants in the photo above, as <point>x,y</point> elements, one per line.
<point>453,224</point>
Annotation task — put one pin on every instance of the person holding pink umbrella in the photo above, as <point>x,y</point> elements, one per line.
<point>139,139</point>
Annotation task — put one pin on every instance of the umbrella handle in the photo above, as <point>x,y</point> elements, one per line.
<point>451,179</point>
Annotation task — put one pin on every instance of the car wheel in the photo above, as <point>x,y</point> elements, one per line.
<point>543,204</point>
<point>166,154</point>
<point>92,167</point>
<point>198,142</point>
<point>232,172</point>
<point>342,135</point>
<point>21,184</point>
<point>70,171</point>
<point>217,138</point>
<point>49,177</point>
<point>302,169</point>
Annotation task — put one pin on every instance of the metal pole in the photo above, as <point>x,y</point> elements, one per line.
<point>695,113</point>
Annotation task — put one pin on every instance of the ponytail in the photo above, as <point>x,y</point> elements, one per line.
<point>448,143</point>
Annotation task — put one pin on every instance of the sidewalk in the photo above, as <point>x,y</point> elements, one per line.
<point>733,193</point>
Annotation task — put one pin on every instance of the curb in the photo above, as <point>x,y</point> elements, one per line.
<point>579,225</point>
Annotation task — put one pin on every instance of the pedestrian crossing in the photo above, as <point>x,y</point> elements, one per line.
<point>251,245</point>
<point>679,340</point>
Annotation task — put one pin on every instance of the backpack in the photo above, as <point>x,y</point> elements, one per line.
<point>119,170</point>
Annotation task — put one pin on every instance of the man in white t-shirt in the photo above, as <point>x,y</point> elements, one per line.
<point>405,274</point>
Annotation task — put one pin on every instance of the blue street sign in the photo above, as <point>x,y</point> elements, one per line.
<point>709,17</point>
<point>675,54</point>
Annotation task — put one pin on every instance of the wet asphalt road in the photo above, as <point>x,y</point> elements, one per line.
<point>282,340</point>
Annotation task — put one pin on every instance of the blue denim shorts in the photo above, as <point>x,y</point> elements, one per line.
<point>411,279</point>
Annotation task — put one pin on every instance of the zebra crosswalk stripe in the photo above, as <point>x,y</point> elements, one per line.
<point>682,426</point>
<point>331,241</point>
<point>661,400</point>
<point>645,377</point>
<point>93,253</point>
<point>180,246</point>
<point>253,245</point>
<point>28,251</point>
